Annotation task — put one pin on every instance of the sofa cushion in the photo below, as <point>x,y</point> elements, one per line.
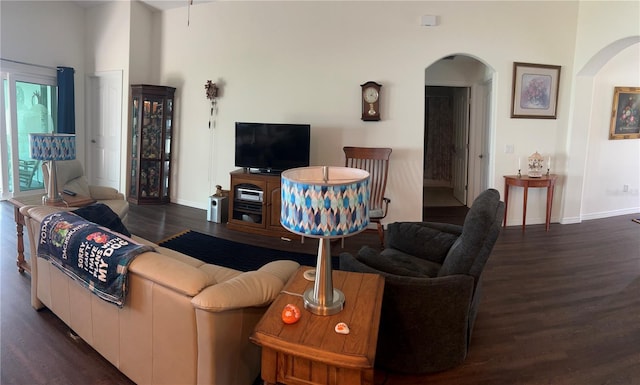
<point>398,263</point>
<point>102,215</point>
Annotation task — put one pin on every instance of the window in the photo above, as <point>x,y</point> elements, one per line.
<point>29,96</point>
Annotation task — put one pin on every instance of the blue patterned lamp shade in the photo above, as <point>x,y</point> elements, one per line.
<point>325,202</point>
<point>52,146</point>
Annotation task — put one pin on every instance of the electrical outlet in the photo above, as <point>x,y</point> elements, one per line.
<point>625,188</point>
<point>508,149</point>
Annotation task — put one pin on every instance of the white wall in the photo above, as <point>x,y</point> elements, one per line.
<point>304,62</point>
<point>140,50</point>
<point>611,164</point>
<point>617,29</point>
<point>108,49</point>
<point>31,32</point>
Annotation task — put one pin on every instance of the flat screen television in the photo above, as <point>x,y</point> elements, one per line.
<point>272,147</point>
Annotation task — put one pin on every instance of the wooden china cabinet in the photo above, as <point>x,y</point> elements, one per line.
<point>150,144</point>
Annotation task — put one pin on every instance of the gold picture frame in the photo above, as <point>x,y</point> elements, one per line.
<point>625,113</point>
<point>535,91</point>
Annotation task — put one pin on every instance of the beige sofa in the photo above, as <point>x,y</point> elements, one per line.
<point>183,322</point>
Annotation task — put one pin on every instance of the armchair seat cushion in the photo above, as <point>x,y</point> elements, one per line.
<point>398,263</point>
<point>378,213</point>
<point>78,185</point>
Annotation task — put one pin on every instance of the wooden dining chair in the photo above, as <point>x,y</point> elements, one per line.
<point>375,160</point>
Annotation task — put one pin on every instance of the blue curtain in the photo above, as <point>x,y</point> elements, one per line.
<point>66,101</point>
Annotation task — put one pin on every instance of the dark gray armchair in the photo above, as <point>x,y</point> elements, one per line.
<point>432,287</point>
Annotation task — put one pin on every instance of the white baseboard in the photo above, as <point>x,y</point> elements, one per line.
<point>197,205</point>
<point>613,213</point>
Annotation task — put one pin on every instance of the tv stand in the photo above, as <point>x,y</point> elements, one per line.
<point>254,203</point>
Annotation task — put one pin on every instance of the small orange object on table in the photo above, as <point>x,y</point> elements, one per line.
<point>310,351</point>
<point>290,314</point>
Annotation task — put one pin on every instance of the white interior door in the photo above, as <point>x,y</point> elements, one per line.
<point>104,121</point>
<point>460,143</point>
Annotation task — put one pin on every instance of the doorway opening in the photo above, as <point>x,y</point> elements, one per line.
<point>446,147</point>
<point>457,122</point>
<point>29,105</point>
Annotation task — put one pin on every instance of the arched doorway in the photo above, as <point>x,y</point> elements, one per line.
<point>457,123</point>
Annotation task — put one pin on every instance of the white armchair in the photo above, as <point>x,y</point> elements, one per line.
<point>70,176</point>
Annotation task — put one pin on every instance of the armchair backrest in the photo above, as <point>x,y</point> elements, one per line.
<point>375,161</point>
<point>480,230</point>
<point>70,175</point>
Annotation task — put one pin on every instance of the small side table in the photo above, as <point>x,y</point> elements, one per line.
<point>548,181</point>
<point>310,351</point>
<point>35,200</point>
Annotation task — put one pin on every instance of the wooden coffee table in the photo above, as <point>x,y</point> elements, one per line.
<point>35,200</point>
<point>310,351</point>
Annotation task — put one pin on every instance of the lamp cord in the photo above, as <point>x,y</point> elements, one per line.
<point>291,293</point>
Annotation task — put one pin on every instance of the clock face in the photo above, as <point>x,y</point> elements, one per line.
<point>370,95</point>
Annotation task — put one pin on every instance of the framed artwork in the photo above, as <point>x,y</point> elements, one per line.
<point>535,91</point>
<point>625,114</point>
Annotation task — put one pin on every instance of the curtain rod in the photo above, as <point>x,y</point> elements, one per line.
<point>29,64</point>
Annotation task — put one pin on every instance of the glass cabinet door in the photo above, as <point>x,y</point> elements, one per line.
<point>135,143</point>
<point>166,161</point>
<point>150,155</point>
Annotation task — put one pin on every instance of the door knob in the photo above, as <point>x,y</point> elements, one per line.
<point>93,140</point>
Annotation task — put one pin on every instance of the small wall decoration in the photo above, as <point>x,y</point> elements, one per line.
<point>535,91</point>
<point>212,93</point>
<point>625,114</point>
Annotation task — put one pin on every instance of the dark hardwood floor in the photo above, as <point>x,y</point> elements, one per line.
<point>559,307</point>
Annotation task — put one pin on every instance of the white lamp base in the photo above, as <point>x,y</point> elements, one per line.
<point>53,197</point>
<point>52,201</point>
<point>323,299</point>
<point>335,306</point>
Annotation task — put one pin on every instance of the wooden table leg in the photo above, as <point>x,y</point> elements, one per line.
<point>20,261</point>
<point>549,203</point>
<point>524,207</point>
<point>269,366</point>
<point>506,202</point>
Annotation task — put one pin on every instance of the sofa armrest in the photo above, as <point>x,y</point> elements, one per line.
<point>249,289</point>
<point>426,240</point>
<point>104,193</point>
<point>282,269</point>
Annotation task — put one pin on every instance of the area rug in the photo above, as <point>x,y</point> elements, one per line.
<point>234,255</point>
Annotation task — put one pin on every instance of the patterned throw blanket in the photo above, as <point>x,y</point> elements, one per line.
<point>90,254</point>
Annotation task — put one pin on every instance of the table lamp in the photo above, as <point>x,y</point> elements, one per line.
<point>52,147</point>
<point>326,203</point>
